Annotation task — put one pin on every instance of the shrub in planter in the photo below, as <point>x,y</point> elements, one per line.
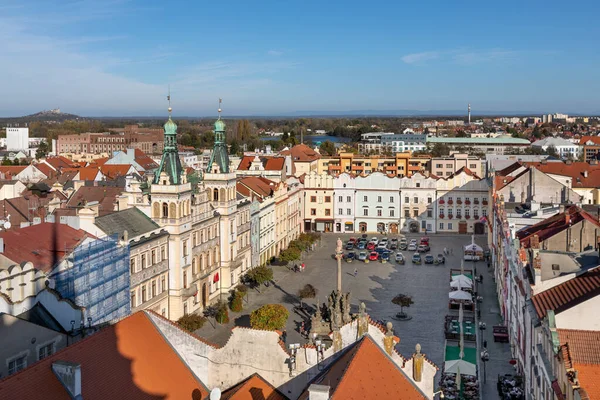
<point>237,304</point>
<point>222,316</point>
<point>191,322</point>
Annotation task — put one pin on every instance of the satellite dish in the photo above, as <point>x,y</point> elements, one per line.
<point>215,394</point>
<point>7,225</point>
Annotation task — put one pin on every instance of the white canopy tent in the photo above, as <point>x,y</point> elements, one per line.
<point>460,295</point>
<point>461,281</point>
<point>473,247</point>
<point>460,367</point>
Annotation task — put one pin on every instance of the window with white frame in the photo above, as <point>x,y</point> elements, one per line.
<point>341,199</point>
<point>45,351</point>
<point>441,225</point>
<point>348,199</point>
<point>366,212</point>
<point>340,211</point>
<point>391,199</point>
<point>415,200</point>
<point>379,212</point>
<point>365,198</point>
<point>484,212</point>
<point>392,212</point>
<point>17,364</point>
<point>379,199</point>
<point>449,225</point>
<point>348,211</point>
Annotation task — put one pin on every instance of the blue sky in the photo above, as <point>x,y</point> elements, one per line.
<point>117,57</point>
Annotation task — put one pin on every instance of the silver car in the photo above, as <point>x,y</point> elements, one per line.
<point>412,247</point>
<point>362,256</point>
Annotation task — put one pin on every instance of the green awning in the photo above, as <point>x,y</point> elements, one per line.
<point>453,353</point>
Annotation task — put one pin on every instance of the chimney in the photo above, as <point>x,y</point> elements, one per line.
<point>318,392</point>
<point>544,161</point>
<point>535,242</point>
<point>568,162</point>
<point>1,245</point>
<point>122,202</point>
<point>125,236</point>
<point>69,375</point>
<point>585,174</point>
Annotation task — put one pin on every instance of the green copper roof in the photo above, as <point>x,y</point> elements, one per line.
<point>170,163</point>
<point>219,154</point>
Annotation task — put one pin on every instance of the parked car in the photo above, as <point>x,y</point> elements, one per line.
<point>381,245</point>
<point>352,240</point>
<point>394,240</point>
<point>374,239</point>
<point>385,256</point>
<point>441,259</point>
<point>412,247</point>
<point>362,256</point>
<point>373,256</point>
<point>380,250</point>
<point>422,248</point>
<point>429,259</point>
<point>364,236</point>
<point>349,246</point>
<point>400,258</point>
<point>370,246</point>
<point>416,258</point>
<point>403,244</point>
<point>413,241</point>
<point>362,245</point>
<point>425,240</point>
<point>393,246</point>
<point>350,257</point>
<point>384,240</point>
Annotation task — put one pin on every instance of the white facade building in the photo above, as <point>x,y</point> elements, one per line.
<point>564,148</point>
<point>343,201</point>
<point>418,203</point>
<point>17,139</point>
<point>377,203</point>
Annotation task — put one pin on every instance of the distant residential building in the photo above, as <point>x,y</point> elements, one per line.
<point>497,145</point>
<point>546,118</point>
<point>591,147</point>
<point>344,188</point>
<point>564,148</point>
<point>389,142</point>
<point>401,164</point>
<point>270,167</point>
<point>135,157</point>
<point>11,189</point>
<point>150,142</point>
<point>444,167</point>
<point>304,159</point>
<point>17,139</point>
<point>23,173</point>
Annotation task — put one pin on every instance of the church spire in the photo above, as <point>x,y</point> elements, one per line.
<point>170,163</point>
<point>219,157</point>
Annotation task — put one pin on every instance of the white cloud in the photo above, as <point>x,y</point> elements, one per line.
<point>417,58</point>
<point>275,52</point>
<point>465,57</point>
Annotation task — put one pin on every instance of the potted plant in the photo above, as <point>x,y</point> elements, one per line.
<point>450,201</point>
<point>442,216</point>
<point>476,201</point>
<point>467,202</point>
<point>403,301</point>
<point>459,201</point>
<point>449,216</point>
<point>467,217</point>
<point>442,201</point>
<point>484,202</point>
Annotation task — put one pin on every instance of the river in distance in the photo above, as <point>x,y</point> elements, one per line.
<point>315,139</point>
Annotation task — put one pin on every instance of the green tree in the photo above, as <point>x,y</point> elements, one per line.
<point>191,322</point>
<point>236,301</point>
<point>327,148</point>
<point>307,292</point>
<point>551,151</point>
<point>403,301</point>
<point>440,150</point>
<point>222,315</point>
<point>269,317</point>
<point>6,161</point>
<point>260,275</point>
<point>42,150</point>
<point>234,149</point>
<point>290,254</point>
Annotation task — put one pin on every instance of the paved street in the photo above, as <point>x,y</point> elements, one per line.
<point>376,285</point>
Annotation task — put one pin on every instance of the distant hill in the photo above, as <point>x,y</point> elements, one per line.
<point>54,115</point>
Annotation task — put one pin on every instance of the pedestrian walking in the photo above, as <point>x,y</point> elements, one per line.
<point>481,278</point>
<point>355,272</point>
<point>485,344</point>
<point>284,335</point>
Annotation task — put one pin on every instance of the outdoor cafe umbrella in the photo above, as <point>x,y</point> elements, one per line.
<point>460,281</point>
<point>460,295</point>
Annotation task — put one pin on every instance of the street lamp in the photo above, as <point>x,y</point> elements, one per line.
<point>440,392</point>
<point>485,357</point>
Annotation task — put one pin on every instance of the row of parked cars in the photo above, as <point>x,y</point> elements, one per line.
<point>381,250</point>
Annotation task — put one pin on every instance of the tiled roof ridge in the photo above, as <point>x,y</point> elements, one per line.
<point>206,342</point>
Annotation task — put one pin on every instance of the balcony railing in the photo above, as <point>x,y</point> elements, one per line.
<point>189,291</point>
<point>202,247</point>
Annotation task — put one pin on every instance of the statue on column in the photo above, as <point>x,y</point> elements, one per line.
<point>388,340</point>
<point>363,321</point>
<point>418,364</point>
<point>339,249</point>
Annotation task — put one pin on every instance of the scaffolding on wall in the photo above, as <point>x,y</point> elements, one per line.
<point>98,280</point>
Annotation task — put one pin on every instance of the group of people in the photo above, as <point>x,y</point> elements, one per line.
<point>299,268</point>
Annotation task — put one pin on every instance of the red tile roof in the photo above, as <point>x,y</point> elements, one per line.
<point>144,161</point>
<point>466,171</point>
<point>568,294</point>
<point>595,139</point>
<point>366,372</point>
<point>581,351</point>
<point>583,175</point>
<point>88,173</point>
<point>269,163</point>
<point>105,195</point>
<point>302,153</point>
<point>128,360</point>
<point>257,185</point>
<point>60,162</point>
<point>253,388</point>
<point>41,244</point>
<point>45,169</point>
<point>115,171</point>
<point>24,208</point>
<point>555,224</point>
<point>9,172</point>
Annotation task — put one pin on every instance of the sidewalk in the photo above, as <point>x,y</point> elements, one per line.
<point>499,353</point>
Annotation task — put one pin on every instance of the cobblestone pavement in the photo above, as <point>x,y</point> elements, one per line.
<point>376,285</point>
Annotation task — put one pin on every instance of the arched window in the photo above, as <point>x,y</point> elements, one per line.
<point>216,194</point>
<point>223,195</point>
<point>165,210</point>
<point>181,210</point>
<point>172,210</point>
<point>201,261</point>
<point>156,211</point>
<point>194,266</point>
